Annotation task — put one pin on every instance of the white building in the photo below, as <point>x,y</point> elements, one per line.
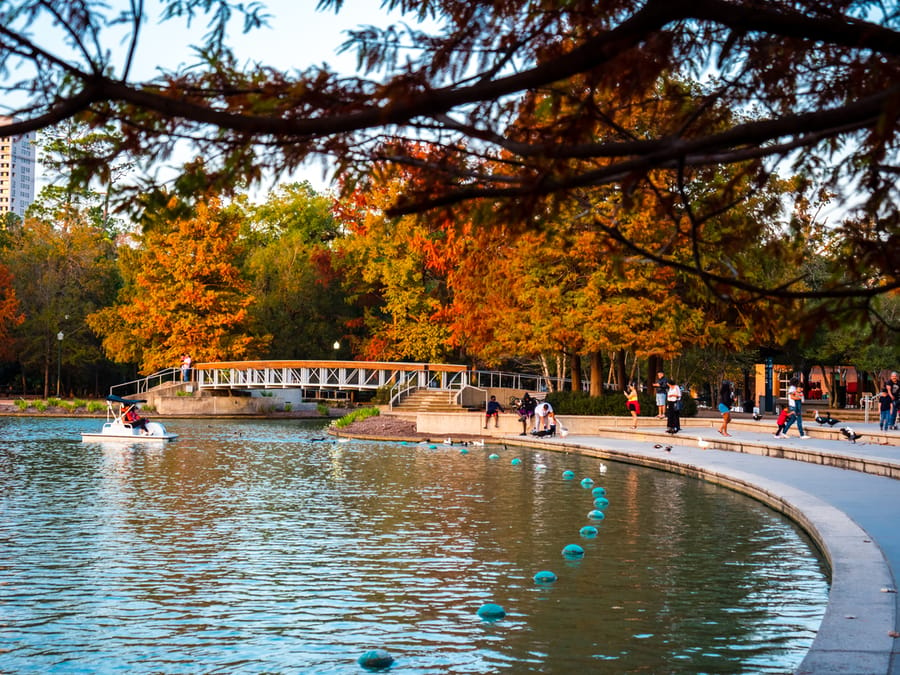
<point>17,171</point>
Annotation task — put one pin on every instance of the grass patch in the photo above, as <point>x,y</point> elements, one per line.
<point>358,414</point>
<point>95,406</point>
<point>322,409</point>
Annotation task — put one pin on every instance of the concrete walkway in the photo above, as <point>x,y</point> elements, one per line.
<point>839,492</point>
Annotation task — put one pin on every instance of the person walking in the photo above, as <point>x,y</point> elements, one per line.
<point>632,404</point>
<point>673,408</point>
<point>885,403</point>
<point>786,415</point>
<point>795,403</point>
<point>726,400</point>
<point>662,391</point>
<point>893,386</point>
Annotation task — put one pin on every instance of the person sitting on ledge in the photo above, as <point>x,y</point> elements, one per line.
<point>493,410</point>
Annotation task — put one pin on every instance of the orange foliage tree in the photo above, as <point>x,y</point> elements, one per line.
<point>10,317</point>
<point>183,292</point>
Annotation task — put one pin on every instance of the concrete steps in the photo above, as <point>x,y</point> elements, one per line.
<point>428,400</point>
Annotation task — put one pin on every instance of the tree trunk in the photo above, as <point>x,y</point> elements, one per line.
<point>596,374</point>
<point>576,372</point>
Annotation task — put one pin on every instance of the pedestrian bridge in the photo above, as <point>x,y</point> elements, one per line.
<point>335,379</point>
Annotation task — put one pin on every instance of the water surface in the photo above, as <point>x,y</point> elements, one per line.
<point>250,546</point>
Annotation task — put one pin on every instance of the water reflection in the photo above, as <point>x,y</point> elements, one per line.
<point>254,546</point>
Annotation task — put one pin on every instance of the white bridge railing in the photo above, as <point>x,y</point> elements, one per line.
<point>339,376</point>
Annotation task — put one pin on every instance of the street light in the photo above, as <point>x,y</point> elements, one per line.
<point>59,339</point>
<point>336,345</point>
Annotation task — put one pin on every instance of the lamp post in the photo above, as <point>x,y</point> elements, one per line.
<point>59,339</point>
<point>337,346</point>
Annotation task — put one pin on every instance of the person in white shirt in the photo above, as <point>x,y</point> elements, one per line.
<point>673,408</point>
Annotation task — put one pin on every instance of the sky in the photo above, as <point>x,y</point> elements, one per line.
<point>297,37</point>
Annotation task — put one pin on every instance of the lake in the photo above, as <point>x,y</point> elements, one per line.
<point>267,546</point>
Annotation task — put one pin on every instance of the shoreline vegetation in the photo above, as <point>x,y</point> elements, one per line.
<point>57,407</point>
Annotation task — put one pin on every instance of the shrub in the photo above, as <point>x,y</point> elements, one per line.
<point>22,404</point>
<point>322,409</point>
<point>95,406</point>
<point>40,406</point>
<point>611,403</point>
<point>54,402</point>
<point>358,414</point>
<point>288,406</point>
<point>382,395</point>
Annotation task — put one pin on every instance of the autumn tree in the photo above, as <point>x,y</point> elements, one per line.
<point>10,316</point>
<point>821,79</point>
<point>298,293</point>
<point>393,270</point>
<point>183,292</point>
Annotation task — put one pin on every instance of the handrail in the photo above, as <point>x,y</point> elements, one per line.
<point>143,384</point>
<point>410,385</point>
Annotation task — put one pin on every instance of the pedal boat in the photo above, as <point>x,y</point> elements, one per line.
<point>117,428</point>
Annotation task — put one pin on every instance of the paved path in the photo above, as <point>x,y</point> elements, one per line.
<point>854,516</point>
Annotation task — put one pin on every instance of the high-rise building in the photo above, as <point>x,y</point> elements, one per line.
<point>17,171</point>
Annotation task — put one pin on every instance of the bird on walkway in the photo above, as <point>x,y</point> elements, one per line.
<point>668,448</point>
<point>602,467</point>
<point>658,446</point>
<point>850,435</point>
<point>828,419</point>
<point>757,417</point>
<point>703,445</point>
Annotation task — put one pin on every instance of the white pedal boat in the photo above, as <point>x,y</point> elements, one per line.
<point>125,425</point>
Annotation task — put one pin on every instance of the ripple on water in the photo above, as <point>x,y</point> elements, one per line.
<point>249,547</point>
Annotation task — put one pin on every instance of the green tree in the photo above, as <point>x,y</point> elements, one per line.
<point>299,297</point>
<point>61,274</point>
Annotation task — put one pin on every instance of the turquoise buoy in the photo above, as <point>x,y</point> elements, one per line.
<point>464,451</point>
<point>589,531</point>
<point>494,455</point>
<point>599,492</point>
<point>432,447</point>
<point>601,502</point>
<point>491,612</point>
<point>544,577</point>
<point>573,552</point>
<point>375,659</point>
<point>568,475</point>
<point>596,514</point>
<point>516,461</point>
<point>587,482</point>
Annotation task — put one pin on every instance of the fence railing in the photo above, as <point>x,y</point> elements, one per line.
<point>144,384</point>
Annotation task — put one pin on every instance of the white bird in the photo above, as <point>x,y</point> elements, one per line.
<point>602,467</point>
<point>448,441</point>
<point>343,440</point>
<point>480,441</point>
<point>702,444</point>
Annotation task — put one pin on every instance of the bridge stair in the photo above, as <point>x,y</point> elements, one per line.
<point>428,400</point>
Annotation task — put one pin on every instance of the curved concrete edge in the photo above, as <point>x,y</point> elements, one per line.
<point>853,638</point>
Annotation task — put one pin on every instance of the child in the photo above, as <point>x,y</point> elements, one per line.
<point>884,406</point>
<point>784,417</point>
<point>493,410</point>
